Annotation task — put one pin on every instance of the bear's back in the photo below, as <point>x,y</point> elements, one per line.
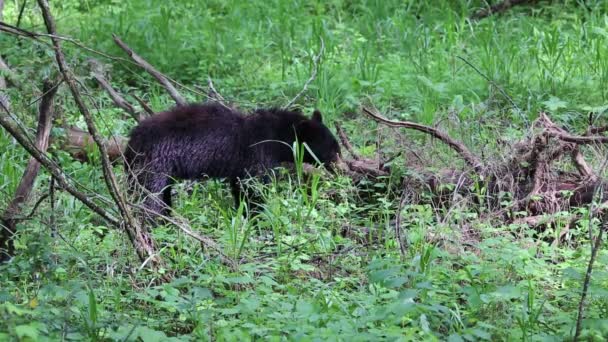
<point>182,120</point>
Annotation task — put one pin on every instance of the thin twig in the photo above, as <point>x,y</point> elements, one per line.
<point>21,137</point>
<point>346,142</point>
<point>595,247</point>
<point>162,79</point>
<point>313,76</point>
<point>20,16</point>
<point>52,221</point>
<point>118,100</point>
<point>24,189</point>
<point>182,224</point>
<point>33,211</point>
<point>214,95</point>
<point>500,89</point>
<point>143,104</point>
<point>4,27</point>
<point>140,238</point>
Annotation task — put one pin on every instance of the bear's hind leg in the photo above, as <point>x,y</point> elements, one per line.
<point>158,199</point>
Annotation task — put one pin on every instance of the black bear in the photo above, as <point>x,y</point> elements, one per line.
<point>192,141</point>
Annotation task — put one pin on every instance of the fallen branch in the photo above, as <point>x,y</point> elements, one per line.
<point>457,146</point>
<point>182,224</point>
<point>24,189</point>
<point>79,144</point>
<point>143,104</point>
<point>60,176</point>
<point>139,237</point>
<point>364,167</point>
<point>345,142</point>
<point>162,79</point>
<point>214,95</point>
<point>3,95</point>
<point>118,100</point>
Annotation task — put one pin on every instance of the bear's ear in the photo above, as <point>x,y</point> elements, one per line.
<point>316,116</point>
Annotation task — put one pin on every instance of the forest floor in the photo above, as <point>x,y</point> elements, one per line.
<point>322,261</point>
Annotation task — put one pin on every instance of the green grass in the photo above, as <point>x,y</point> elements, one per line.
<point>301,279</point>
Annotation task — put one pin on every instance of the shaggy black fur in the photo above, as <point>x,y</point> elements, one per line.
<point>189,142</point>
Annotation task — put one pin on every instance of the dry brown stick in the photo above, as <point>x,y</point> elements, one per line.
<point>118,100</point>
<point>366,167</point>
<point>597,130</point>
<point>60,176</point>
<point>24,189</point>
<point>182,224</point>
<point>498,8</point>
<point>3,96</point>
<point>162,79</point>
<point>143,104</point>
<point>561,134</point>
<point>457,146</point>
<point>581,165</point>
<point>595,247</point>
<point>141,240</point>
<point>214,95</point>
<point>346,142</point>
<point>79,143</point>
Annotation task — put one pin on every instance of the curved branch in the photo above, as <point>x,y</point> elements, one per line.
<point>457,146</point>
<point>164,81</point>
<point>142,242</point>
<point>48,164</point>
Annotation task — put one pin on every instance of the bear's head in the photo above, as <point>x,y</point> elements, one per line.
<point>320,140</point>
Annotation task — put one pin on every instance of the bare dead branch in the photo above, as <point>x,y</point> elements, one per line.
<point>142,242</point>
<point>596,130</point>
<point>581,165</point>
<point>214,95</point>
<point>24,189</point>
<point>60,176</point>
<point>118,100</point>
<point>497,86</point>
<point>364,166</point>
<point>143,104</point>
<point>33,211</point>
<point>79,144</point>
<point>561,134</point>
<point>162,79</point>
<point>3,96</point>
<point>457,146</point>
<point>313,76</point>
<point>183,224</point>
<point>346,142</point>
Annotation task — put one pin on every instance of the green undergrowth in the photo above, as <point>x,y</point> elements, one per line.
<point>319,261</point>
